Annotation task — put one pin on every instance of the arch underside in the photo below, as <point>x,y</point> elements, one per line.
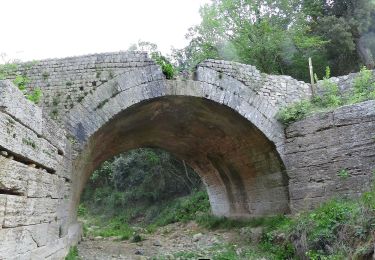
<point>240,167</point>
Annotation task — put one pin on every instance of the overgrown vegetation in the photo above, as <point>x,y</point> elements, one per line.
<point>145,185</point>
<point>278,36</point>
<point>164,62</point>
<point>339,229</point>
<point>329,97</point>
<point>73,254</point>
<point>118,196</point>
<point>21,81</point>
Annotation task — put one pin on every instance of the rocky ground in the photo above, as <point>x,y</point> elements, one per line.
<point>162,244</point>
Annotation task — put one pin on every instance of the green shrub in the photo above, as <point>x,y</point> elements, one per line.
<point>184,209</point>
<point>73,254</point>
<point>116,227</point>
<point>7,69</point>
<point>343,174</point>
<point>294,112</point>
<point>82,211</point>
<point>364,86</point>
<point>330,98</point>
<point>166,66</point>
<point>21,82</point>
<point>35,96</point>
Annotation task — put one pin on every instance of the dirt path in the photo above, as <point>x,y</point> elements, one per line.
<point>163,243</point>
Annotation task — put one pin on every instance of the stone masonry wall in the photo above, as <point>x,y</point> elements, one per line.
<point>331,154</point>
<point>34,182</point>
<point>261,95</point>
<point>65,82</point>
<point>326,155</point>
<point>279,90</point>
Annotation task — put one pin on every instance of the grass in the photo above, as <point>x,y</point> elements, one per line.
<point>73,254</point>
<point>212,222</point>
<point>340,228</point>
<point>184,209</point>
<point>115,227</point>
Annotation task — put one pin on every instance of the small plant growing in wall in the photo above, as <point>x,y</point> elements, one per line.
<point>29,142</point>
<point>294,112</point>
<point>344,174</point>
<point>54,113</point>
<point>7,69</point>
<point>21,82</point>
<point>35,95</point>
<point>110,74</point>
<point>55,101</point>
<point>45,75</point>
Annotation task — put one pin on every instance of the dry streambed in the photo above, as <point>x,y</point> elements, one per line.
<point>163,244</point>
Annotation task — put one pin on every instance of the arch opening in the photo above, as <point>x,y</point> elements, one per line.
<point>140,186</point>
<point>241,169</point>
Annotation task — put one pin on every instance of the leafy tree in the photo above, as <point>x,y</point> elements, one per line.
<point>348,26</point>
<point>272,35</point>
<point>137,180</point>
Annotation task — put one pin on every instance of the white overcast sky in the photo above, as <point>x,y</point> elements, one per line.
<point>38,29</point>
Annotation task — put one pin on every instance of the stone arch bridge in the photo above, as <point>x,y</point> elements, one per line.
<point>221,121</point>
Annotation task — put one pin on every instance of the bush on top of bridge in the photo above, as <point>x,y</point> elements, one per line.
<point>330,97</point>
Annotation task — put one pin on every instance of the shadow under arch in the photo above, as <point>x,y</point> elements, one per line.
<point>239,165</point>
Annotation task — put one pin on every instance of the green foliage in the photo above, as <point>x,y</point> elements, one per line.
<point>338,228</point>
<point>364,86</point>
<point>166,66</point>
<point>140,184</point>
<point>294,112</point>
<point>330,97</point>
<point>35,95</point>
<point>21,82</point>
<point>346,26</point>
<point>7,69</point>
<point>343,174</point>
<point>82,211</point>
<point>152,49</point>
<point>115,227</point>
<point>73,254</point>
<point>321,224</point>
<point>184,209</point>
<point>272,35</point>
<point>279,36</point>
<point>212,222</point>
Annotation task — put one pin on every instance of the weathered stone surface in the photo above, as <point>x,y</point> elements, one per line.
<point>222,123</point>
<point>18,178</point>
<point>22,211</point>
<point>13,102</point>
<point>331,154</point>
<point>15,241</point>
<point>27,144</point>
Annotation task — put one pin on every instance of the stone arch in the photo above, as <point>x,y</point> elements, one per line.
<point>226,139</point>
